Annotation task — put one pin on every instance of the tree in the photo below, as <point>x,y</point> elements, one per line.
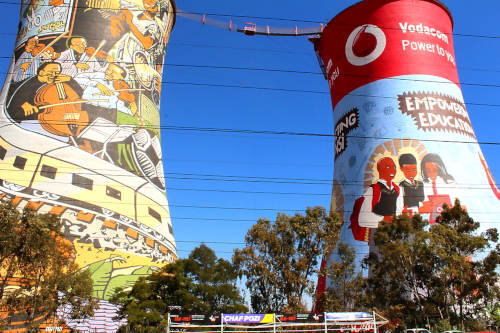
<point>280,258</point>
<point>399,266</point>
<point>471,286</point>
<point>202,283</point>
<point>345,292</point>
<point>35,256</point>
<point>418,276</point>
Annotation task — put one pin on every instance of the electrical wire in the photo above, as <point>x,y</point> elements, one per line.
<point>233,15</point>
<point>289,133</point>
<point>290,71</point>
<point>295,91</point>
<point>170,205</point>
<point>308,54</point>
<point>249,179</point>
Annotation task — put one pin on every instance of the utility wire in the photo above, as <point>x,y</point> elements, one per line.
<point>288,133</point>
<point>250,179</point>
<point>217,242</point>
<point>330,22</point>
<point>276,70</point>
<point>287,71</point>
<point>233,15</point>
<point>308,54</point>
<point>248,220</point>
<point>117,202</point>
<point>82,184</point>
<point>294,90</point>
<point>293,180</point>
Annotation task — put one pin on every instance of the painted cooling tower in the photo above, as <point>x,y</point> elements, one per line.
<point>80,130</point>
<point>403,138</point>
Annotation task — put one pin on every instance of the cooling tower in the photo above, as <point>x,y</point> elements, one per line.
<point>80,133</point>
<point>404,141</point>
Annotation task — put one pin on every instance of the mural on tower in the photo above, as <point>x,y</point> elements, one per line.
<point>80,130</point>
<point>404,142</point>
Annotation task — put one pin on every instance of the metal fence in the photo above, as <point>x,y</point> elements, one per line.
<point>327,322</point>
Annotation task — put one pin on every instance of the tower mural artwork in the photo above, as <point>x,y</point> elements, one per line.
<point>404,142</point>
<point>80,132</point>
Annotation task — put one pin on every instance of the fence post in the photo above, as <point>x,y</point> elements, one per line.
<point>221,323</point>
<point>326,325</point>
<point>274,322</point>
<point>168,322</point>
<point>374,322</point>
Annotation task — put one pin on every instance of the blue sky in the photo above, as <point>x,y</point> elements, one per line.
<point>188,155</point>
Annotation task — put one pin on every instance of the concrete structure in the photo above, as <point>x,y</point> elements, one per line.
<point>404,142</point>
<point>80,132</point>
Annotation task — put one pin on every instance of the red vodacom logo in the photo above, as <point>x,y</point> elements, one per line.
<point>365,44</point>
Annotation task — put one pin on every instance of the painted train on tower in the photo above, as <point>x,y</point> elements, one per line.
<point>80,131</point>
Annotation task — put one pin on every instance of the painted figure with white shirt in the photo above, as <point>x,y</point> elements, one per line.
<point>75,59</point>
<point>412,189</point>
<point>379,202</point>
<point>382,199</point>
<point>109,90</point>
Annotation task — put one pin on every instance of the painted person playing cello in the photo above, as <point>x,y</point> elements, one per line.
<point>54,99</point>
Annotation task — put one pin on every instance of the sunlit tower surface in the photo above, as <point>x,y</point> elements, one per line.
<point>404,142</point>
<point>80,134</point>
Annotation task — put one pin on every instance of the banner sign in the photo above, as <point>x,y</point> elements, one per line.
<point>299,317</point>
<point>248,318</point>
<point>348,316</point>
<point>195,319</point>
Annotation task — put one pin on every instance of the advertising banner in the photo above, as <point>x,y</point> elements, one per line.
<point>404,142</point>
<point>196,319</point>
<point>248,318</point>
<point>348,316</point>
<point>299,317</point>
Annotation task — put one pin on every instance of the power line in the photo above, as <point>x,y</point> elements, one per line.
<point>295,90</point>
<point>311,91</point>
<point>250,179</point>
<point>215,242</point>
<point>465,68</point>
<point>281,209</point>
<point>287,133</point>
<point>210,242</point>
<point>276,70</point>
<point>290,71</point>
<point>330,22</point>
<point>225,220</point>
<point>232,15</point>
<point>238,48</point>
<point>292,193</point>
<point>118,202</point>
<point>310,165</point>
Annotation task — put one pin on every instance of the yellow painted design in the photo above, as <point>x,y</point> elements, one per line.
<point>268,318</point>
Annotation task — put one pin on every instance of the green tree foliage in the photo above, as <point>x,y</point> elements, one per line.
<point>280,258</point>
<point>419,275</point>
<point>345,292</point>
<point>471,287</point>
<point>200,284</point>
<point>35,257</point>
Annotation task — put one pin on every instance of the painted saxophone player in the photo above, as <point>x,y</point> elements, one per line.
<point>80,130</point>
